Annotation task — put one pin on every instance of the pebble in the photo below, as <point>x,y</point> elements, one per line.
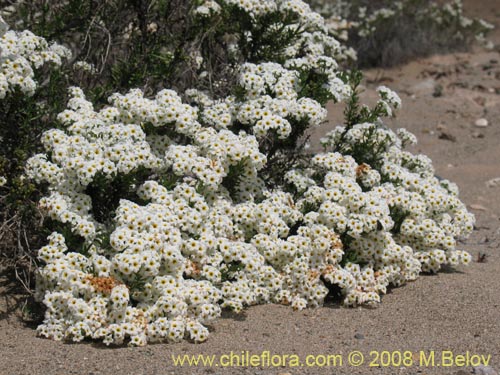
<point>494,182</point>
<point>481,123</point>
<point>359,336</point>
<point>484,370</point>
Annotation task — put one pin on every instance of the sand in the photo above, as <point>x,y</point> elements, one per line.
<point>457,310</point>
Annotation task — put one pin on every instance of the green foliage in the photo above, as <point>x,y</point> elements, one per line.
<point>228,274</point>
<point>269,37</point>
<point>235,174</point>
<point>106,193</point>
<point>74,242</point>
<point>311,83</point>
<point>398,216</point>
<point>24,118</point>
<point>369,150</point>
<point>355,112</point>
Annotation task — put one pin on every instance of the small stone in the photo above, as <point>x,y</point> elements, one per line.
<point>359,336</point>
<point>484,370</point>
<point>481,123</point>
<point>494,182</point>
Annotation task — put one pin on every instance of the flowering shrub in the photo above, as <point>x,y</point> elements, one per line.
<point>29,65</point>
<point>166,208</point>
<point>197,229</point>
<point>177,43</point>
<point>154,46</point>
<point>21,52</point>
<point>389,32</point>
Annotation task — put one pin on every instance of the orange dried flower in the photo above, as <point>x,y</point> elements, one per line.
<point>361,169</point>
<point>103,284</point>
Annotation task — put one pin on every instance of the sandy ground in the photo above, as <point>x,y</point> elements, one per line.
<point>457,310</point>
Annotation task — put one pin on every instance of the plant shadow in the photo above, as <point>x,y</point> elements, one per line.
<point>15,301</point>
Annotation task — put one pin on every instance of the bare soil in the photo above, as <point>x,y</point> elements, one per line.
<point>456,310</point>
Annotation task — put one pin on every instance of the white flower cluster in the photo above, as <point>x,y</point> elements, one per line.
<point>344,16</point>
<point>368,22</point>
<point>84,66</point>
<point>153,242</point>
<point>20,53</point>
<point>426,215</point>
<point>452,13</point>
<point>257,8</point>
<point>271,101</point>
<point>207,8</point>
<point>337,22</point>
<point>389,99</point>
